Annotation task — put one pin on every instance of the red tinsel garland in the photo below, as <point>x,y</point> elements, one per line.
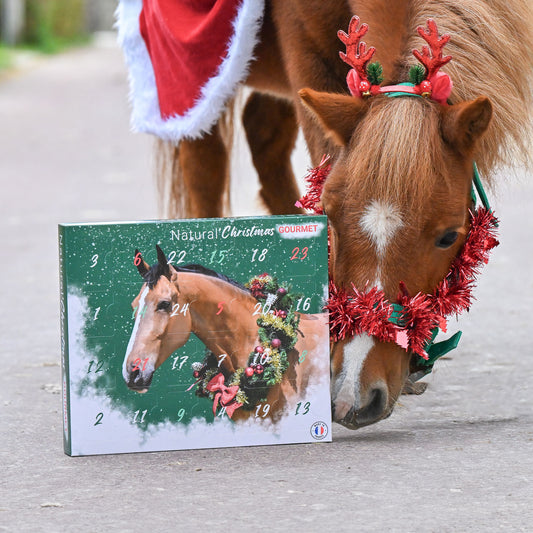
<point>352,313</point>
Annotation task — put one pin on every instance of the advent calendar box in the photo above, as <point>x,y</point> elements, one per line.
<point>194,334</point>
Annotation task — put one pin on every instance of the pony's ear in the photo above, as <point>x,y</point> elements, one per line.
<point>142,265</point>
<point>464,123</point>
<point>338,114</point>
<point>163,266</point>
<point>174,277</point>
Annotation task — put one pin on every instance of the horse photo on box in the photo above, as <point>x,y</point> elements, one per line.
<point>260,353</point>
<point>402,142</point>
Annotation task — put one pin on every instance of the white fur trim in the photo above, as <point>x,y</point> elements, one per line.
<point>146,116</point>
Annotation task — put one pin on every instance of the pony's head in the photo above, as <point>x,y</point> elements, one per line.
<point>398,199</point>
<point>162,322</point>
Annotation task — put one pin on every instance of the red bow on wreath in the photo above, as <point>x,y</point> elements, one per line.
<point>224,395</point>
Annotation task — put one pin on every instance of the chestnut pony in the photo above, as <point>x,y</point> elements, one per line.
<point>173,303</point>
<point>398,195</point>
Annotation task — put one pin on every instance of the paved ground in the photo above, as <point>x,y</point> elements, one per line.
<point>458,458</point>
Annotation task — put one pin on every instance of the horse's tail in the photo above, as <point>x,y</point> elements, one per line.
<point>173,196</point>
<point>492,48</point>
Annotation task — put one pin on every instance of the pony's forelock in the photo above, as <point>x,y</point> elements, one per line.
<point>396,152</point>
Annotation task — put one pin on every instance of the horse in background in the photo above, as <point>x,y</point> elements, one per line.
<point>173,303</point>
<point>398,195</point>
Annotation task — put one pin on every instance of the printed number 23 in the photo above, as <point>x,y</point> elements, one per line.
<point>296,253</point>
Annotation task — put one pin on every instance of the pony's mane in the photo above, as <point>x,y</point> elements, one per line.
<point>492,48</point>
<point>155,272</point>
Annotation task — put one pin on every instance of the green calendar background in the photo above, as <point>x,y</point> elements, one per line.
<point>98,281</point>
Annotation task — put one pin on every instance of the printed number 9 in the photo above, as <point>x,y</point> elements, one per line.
<point>181,414</point>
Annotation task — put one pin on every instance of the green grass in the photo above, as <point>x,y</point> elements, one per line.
<point>5,58</point>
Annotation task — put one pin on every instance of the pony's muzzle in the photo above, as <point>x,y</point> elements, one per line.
<point>375,408</point>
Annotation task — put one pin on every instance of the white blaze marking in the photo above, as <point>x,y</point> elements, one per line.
<point>380,222</point>
<point>134,332</point>
<point>347,393</point>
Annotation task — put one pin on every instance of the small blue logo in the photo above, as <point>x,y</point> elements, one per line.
<point>319,430</point>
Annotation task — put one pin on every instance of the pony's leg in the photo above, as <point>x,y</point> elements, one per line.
<point>204,165</point>
<point>271,129</point>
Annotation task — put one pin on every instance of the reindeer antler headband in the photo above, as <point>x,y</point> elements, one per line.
<point>365,78</point>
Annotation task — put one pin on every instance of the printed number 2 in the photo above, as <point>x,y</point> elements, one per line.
<point>99,417</point>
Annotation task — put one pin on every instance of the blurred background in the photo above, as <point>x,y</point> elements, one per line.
<point>51,24</point>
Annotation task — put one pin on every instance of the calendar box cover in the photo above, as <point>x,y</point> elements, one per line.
<point>194,334</point>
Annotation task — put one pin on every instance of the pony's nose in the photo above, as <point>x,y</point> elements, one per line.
<point>374,409</point>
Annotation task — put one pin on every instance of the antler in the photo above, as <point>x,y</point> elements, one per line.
<point>357,56</point>
<point>432,59</point>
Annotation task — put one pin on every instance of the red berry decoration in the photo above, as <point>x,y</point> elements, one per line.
<point>249,372</point>
<point>275,343</point>
<point>282,291</point>
<point>283,314</point>
<point>259,349</point>
<point>425,87</point>
<point>364,86</point>
<point>259,369</point>
<point>196,373</point>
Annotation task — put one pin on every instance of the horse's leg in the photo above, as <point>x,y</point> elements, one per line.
<point>194,176</point>
<point>271,130</point>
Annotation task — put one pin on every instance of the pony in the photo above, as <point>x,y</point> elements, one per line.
<point>398,194</point>
<point>175,302</point>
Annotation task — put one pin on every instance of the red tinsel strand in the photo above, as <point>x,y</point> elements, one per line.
<point>374,313</point>
<point>315,180</point>
<point>341,320</point>
<point>369,312</point>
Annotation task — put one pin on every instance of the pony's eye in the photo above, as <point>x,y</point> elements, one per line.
<point>164,305</point>
<point>447,239</point>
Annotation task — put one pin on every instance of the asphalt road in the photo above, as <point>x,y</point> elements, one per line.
<point>458,458</point>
